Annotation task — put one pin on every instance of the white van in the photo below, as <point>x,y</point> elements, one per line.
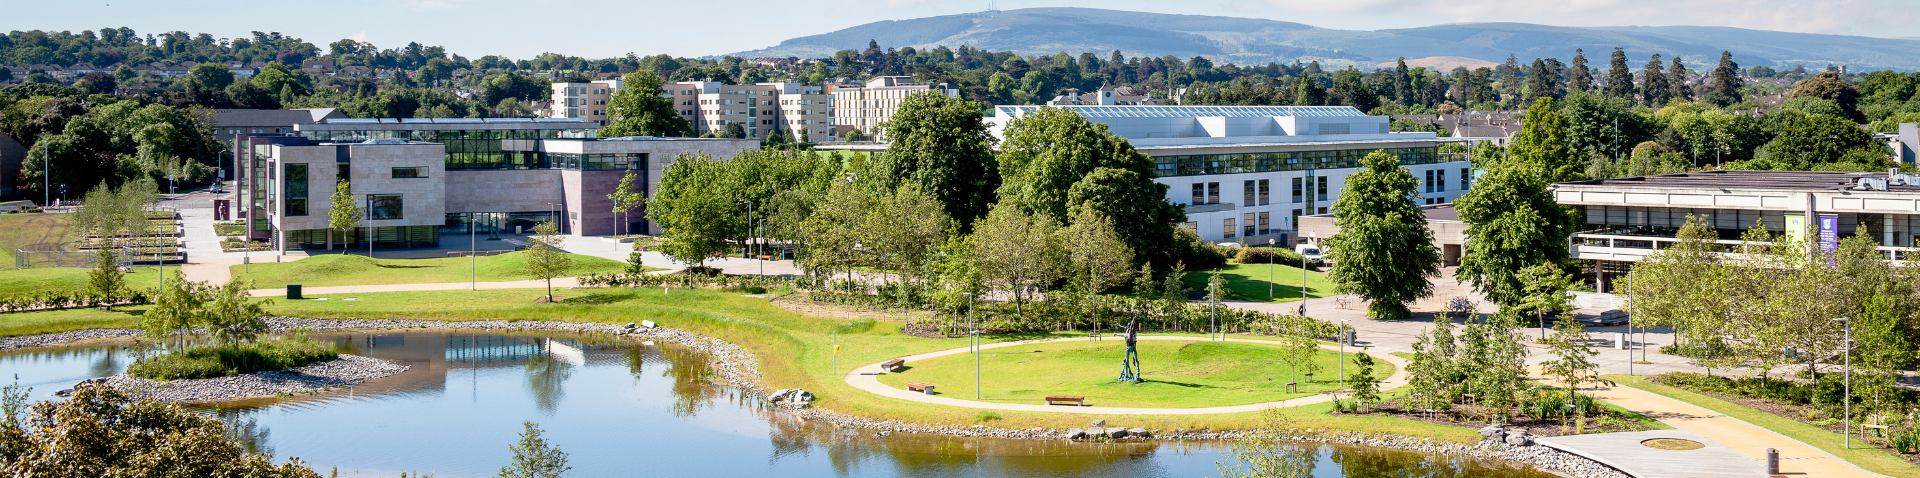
<point>1309,251</point>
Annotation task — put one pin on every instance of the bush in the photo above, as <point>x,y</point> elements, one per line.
<point>1267,255</point>
<point>209,361</point>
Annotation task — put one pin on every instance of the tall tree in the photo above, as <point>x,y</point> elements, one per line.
<point>1726,82</point>
<point>626,197</point>
<point>1582,80</point>
<point>1542,143</point>
<point>1654,90</point>
<point>1055,161</point>
<point>1619,76</point>
<point>639,109</point>
<point>1814,140</point>
<point>1307,91</point>
<point>533,457</point>
<point>545,260</point>
<point>1677,81</point>
<point>1384,251</point>
<point>1097,259</point>
<point>1017,252</point>
<point>343,211</point>
<point>1513,223</point>
<point>1830,86</point>
<point>938,144</point>
<point>694,208</point>
<point>1402,83</point>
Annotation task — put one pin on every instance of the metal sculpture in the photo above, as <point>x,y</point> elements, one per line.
<point>1130,366</point>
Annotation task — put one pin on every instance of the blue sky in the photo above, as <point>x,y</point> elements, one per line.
<point>602,28</point>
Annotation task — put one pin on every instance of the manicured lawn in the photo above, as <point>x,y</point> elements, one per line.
<point>67,279</point>
<point>17,230</point>
<point>1178,374</point>
<point>794,350</point>
<point>347,269</point>
<point>30,323</point>
<point>1872,459</point>
<point>1250,282</point>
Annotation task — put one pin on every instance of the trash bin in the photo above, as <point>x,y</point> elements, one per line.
<point>293,291</point>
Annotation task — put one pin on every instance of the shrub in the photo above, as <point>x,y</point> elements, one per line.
<point>209,361</point>
<point>1267,255</point>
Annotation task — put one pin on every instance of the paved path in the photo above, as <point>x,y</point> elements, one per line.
<point>558,283</point>
<point>1796,458</point>
<point>1623,452</point>
<point>866,378</point>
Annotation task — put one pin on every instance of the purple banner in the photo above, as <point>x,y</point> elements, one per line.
<point>1829,236</point>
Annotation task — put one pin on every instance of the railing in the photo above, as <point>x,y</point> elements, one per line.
<point>1618,247</point>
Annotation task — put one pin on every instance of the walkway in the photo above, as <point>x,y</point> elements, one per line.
<point>866,378</point>
<point>1796,458</point>
<point>558,283</point>
<point>1624,452</point>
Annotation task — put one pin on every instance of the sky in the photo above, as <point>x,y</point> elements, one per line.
<point>606,28</point>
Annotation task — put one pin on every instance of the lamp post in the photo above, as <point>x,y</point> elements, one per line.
<point>1846,396</point>
<point>473,253</point>
<point>1630,319</point>
<point>761,249</point>
<point>1343,350</point>
<point>1270,255</point>
<point>973,340</point>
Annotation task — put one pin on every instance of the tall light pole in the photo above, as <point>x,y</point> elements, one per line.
<point>473,253</point>
<point>1846,396</point>
<point>1343,350</point>
<point>1270,255</point>
<point>973,336</point>
<point>749,227</point>
<point>1630,319</point>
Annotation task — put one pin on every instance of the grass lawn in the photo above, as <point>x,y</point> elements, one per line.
<point>794,350</point>
<point>18,230</point>
<point>1249,282</point>
<point>67,279</point>
<point>1178,374</point>
<point>348,269</point>
<point>30,323</point>
<point>1872,459</point>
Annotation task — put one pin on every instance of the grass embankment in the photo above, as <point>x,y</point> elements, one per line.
<point>68,279</point>
<point>1177,374</point>
<point>32,323</point>
<point>1250,282</point>
<point>17,230</point>
<point>794,350</point>
<point>347,269</point>
<point>225,360</point>
<point>1871,459</point>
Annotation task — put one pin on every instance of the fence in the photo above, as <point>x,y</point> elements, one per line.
<point>50,255</point>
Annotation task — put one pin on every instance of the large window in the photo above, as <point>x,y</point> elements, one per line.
<point>296,189</point>
<point>1297,190</point>
<point>1199,164</point>
<point>1246,193</point>
<point>1264,191</point>
<point>1226,228</point>
<point>384,206</point>
<point>598,162</point>
<point>1321,194</point>
<point>401,173</point>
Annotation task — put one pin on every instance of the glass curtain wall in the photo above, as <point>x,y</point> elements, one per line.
<point>1201,164</point>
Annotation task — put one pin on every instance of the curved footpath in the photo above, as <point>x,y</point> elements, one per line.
<point>866,378</point>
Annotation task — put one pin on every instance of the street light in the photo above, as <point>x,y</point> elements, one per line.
<point>1846,396</point>
<point>1343,350</point>
<point>973,338</point>
<point>749,226</point>
<point>1270,255</point>
<point>1630,319</point>
<point>762,249</point>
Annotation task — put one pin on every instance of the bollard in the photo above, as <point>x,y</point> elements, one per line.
<point>1773,462</point>
<point>1619,341</point>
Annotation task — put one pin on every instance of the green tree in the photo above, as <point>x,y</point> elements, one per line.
<point>1813,140</point>
<point>343,211</point>
<point>1017,252</point>
<point>1512,223</point>
<point>1677,81</point>
<point>1724,83</point>
<point>638,109</point>
<point>1831,87</point>
<point>1269,451</point>
<point>693,208</point>
<point>1097,259</point>
<point>1572,360</point>
<point>545,259</point>
<point>229,314</point>
<point>209,77</point>
<point>1582,76</point>
<point>1654,90</point>
<point>1298,353</point>
<point>1619,77</point>
<point>1366,387</point>
<point>636,263</point>
<point>1384,251</point>
<point>938,144</point>
<point>102,432</point>
<point>1542,143</point>
<point>1546,290</point>
<point>1054,160</point>
<point>106,281</point>
<point>627,196</point>
<point>533,457</point>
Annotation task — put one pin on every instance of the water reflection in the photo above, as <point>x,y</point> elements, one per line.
<point>622,409</point>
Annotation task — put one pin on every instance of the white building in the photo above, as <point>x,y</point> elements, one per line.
<point>865,107</point>
<point>1248,172</point>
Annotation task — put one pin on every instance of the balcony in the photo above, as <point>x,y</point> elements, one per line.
<point>1636,243</point>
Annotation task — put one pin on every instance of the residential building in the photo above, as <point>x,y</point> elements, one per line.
<point>460,176</point>
<point>1627,219</point>
<point>586,101</point>
<point>710,106</point>
<point>1250,172</point>
<point>864,107</point>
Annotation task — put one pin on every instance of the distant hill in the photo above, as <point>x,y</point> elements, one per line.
<point>1041,31</point>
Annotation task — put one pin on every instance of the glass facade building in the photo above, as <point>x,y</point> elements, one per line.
<point>1203,164</point>
<point>472,143</point>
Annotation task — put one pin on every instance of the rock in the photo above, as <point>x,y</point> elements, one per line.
<point>1099,423</point>
<point>1519,438</point>
<point>630,326</point>
<point>64,393</point>
<point>802,395</point>
<point>1116,432</point>
<point>1076,434</point>
<point>1492,431</point>
<point>778,395</point>
<point>1139,432</point>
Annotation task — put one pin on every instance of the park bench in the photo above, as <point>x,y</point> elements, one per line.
<point>926,388</point>
<point>1077,400</point>
<point>1875,424</point>
<point>892,365</point>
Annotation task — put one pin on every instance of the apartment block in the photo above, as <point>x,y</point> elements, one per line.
<point>760,108</point>
<point>586,101</point>
<point>865,107</point>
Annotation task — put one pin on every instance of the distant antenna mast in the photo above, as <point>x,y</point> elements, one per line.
<point>992,6</point>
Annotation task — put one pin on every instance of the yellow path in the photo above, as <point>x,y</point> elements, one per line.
<point>1796,458</point>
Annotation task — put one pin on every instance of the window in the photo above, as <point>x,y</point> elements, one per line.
<point>1213,193</point>
<point>384,206</point>
<point>399,173</point>
<point>1246,193</point>
<point>1265,227</point>
<point>1427,185</point>
<point>1322,211</point>
<point>1439,180</point>
<point>1248,227</point>
<point>1226,227</point>
<point>1466,178</point>
<point>1322,194</point>
<point>1263,191</point>
<point>1297,191</point>
<point>295,182</point>
<point>1199,193</point>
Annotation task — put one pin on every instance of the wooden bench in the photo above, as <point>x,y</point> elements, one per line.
<point>926,388</point>
<point>1052,399</point>
<point>893,365</point>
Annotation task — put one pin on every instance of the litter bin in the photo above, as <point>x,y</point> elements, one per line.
<point>293,291</point>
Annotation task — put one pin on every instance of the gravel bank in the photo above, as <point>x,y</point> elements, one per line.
<point>740,369</point>
<point>346,371</point>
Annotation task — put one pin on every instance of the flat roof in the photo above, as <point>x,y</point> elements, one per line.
<point>1115,111</point>
<point>1786,180</point>
<point>1434,212</point>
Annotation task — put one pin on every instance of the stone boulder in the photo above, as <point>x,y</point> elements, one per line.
<point>1076,434</point>
<point>1493,431</point>
<point>1139,432</point>
<point>1099,423</point>
<point>1519,438</point>
<point>1116,432</point>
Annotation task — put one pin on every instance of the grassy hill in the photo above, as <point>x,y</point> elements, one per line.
<point>1044,31</point>
<point>339,269</point>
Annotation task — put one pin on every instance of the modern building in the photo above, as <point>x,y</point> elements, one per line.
<point>1247,173</point>
<point>1903,145</point>
<point>864,107</point>
<point>421,178</point>
<point>1627,219</point>
<point>229,124</point>
<point>709,106</point>
<point>585,100</point>
<point>1449,232</point>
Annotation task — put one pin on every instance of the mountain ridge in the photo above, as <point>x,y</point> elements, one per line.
<point>1044,31</point>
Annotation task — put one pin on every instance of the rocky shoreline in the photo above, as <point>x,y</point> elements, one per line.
<point>740,369</point>
<point>346,371</point>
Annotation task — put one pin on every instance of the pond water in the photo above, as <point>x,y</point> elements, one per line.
<point>620,409</point>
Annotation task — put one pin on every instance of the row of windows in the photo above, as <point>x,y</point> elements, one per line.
<point>598,162</point>
<point>1200,164</point>
<point>1256,192</point>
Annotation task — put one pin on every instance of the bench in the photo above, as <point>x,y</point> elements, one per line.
<point>1293,387</point>
<point>1052,399</point>
<point>926,388</point>
<point>892,365</point>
